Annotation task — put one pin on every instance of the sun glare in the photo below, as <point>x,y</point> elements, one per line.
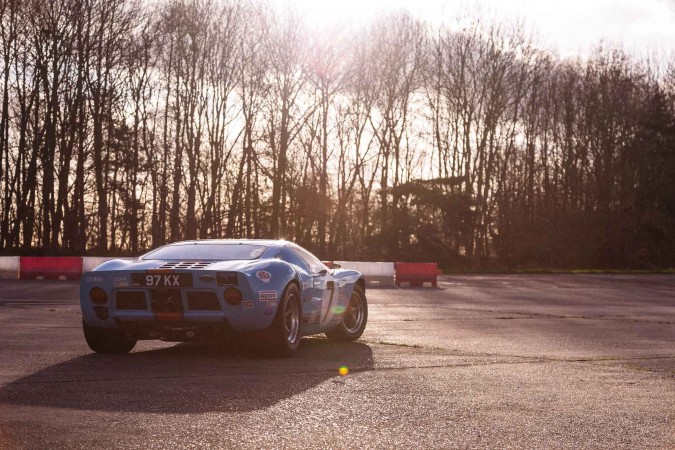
<point>346,11</point>
<point>639,27</point>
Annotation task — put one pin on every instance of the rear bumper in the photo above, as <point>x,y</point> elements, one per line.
<point>255,319</point>
<point>176,332</point>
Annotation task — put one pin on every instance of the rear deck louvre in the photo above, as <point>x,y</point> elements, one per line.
<point>185,265</point>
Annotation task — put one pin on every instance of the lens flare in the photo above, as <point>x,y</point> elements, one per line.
<point>343,371</point>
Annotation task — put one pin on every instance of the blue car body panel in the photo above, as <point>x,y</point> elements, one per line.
<point>138,292</point>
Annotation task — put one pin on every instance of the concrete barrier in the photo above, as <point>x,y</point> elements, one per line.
<point>50,267</point>
<point>376,273</point>
<point>9,267</point>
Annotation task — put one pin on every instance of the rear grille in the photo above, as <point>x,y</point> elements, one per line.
<point>130,300</point>
<point>185,265</point>
<point>204,301</point>
<point>166,300</point>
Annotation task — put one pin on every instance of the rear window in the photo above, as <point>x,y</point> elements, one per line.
<point>206,252</point>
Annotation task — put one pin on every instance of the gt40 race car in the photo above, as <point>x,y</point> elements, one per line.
<point>209,289</point>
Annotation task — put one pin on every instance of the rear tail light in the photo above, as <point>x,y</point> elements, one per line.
<point>232,296</point>
<point>98,296</point>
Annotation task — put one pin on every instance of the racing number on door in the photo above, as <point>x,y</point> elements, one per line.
<point>330,286</point>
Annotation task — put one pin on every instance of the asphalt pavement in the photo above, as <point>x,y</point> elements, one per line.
<point>500,361</point>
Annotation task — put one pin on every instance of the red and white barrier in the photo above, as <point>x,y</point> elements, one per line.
<point>416,274</point>
<point>383,274</point>
<point>50,267</point>
<point>9,267</point>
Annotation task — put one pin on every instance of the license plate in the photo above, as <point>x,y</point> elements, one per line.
<point>163,280</point>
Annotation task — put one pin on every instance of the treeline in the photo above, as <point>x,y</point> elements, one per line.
<point>127,124</point>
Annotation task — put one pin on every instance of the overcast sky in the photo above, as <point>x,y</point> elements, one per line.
<point>570,26</point>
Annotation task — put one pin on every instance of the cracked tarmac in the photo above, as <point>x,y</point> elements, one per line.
<point>483,361</point>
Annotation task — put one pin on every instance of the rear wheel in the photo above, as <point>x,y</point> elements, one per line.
<point>284,334</point>
<point>103,340</point>
<point>354,318</point>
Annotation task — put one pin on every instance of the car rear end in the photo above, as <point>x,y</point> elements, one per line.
<point>176,301</point>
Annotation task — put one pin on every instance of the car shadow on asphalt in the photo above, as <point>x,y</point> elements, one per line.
<point>187,378</point>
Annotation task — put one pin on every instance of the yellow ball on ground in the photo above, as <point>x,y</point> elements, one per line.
<point>343,371</point>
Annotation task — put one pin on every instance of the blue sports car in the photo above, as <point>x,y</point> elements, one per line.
<point>209,289</point>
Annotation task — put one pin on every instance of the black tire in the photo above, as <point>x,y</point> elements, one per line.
<point>103,340</point>
<point>354,319</point>
<point>283,336</point>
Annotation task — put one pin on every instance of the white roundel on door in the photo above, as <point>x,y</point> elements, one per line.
<point>264,276</point>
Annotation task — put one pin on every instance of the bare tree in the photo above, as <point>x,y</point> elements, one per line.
<point>287,110</point>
